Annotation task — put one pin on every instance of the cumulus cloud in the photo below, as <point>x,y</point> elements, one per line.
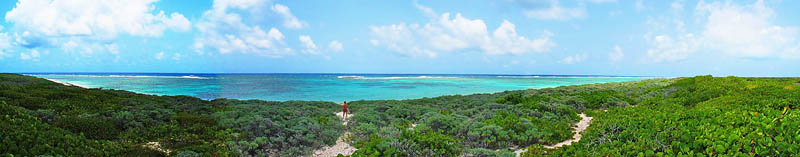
<point>335,46</point>
<point>448,33</point>
<point>100,19</point>
<point>556,12</point>
<point>308,44</point>
<point>33,55</point>
<point>24,56</point>
<point>747,31</point>
<point>289,20</point>
<point>88,26</point>
<point>744,31</point>
<point>616,55</point>
<point>665,48</point>
<point>160,55</point>
<point>577,58</point>
<point>224,29</point>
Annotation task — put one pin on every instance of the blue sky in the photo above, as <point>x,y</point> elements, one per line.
<point>601,37</point>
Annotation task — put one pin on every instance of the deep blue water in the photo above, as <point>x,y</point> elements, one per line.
<point>326,87</point>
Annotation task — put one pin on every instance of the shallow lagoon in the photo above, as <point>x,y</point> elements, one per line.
<point>326,87</point>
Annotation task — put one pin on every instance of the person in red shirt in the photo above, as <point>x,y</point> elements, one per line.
<point>344,110</point>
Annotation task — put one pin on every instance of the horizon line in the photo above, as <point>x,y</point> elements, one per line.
<point>334,73</point>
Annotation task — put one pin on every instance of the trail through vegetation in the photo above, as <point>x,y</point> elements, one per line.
<point>341,146</point>
<point>577,129</point>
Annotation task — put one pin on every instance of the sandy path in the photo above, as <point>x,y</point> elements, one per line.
<point>67,84</point>
<point>578,128</point>
<point>341,146</point>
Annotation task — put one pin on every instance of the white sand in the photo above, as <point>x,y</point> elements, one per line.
<point>578,128</point>
<point>341,146</point>
<point>66,83</point>
<point>156,146</point>
<point>344,120</point>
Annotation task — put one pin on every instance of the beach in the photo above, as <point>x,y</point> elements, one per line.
<point>67,84</point>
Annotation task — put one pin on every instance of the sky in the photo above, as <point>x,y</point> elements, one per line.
<point>569,37</point>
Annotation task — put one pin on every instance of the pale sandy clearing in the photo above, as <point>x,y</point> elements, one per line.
<point>341,147</point>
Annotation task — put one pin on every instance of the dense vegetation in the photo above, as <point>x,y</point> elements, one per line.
<point>484,124</point>
<point>39,117</point>
<point>701,116</point>
<point>696,116</point>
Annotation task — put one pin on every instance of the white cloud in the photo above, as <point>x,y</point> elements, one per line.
<point>113,48</point>
<point>160,55</point>
<point>223,29</point>
<point>399,38</point>
<point>744,31</point>
<point>506,40</point>
<point>446,34</point>
<point>556,12</point>
<point>88,26</point>
<point>616,55</point>
<point>335,46</point>
<point>24,56</point>
<point>666,48</point>
<point>309,45</point>
<point>577,58</point>
<point>98,19</point>
<point>427,10</point>
<point>33,55</point>
<point>289,20</point>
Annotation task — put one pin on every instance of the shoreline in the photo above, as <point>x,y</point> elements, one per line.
<point>448,90</point>
<point>67,84</point>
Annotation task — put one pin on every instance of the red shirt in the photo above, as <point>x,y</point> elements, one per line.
<point>344,107</point>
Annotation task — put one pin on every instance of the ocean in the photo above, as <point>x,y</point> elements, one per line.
<point>322,87</point>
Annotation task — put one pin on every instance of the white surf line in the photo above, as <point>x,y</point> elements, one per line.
<point>66,83</point>
<point>341,146</point>
<point>577,129</point>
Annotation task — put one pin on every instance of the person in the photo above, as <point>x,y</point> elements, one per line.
<point>344,110</point>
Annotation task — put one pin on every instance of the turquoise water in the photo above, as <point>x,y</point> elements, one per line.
<point>325,87</point>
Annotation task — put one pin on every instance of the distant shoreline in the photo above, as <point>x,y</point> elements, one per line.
<point>354,87</point>
<point>67,84</point>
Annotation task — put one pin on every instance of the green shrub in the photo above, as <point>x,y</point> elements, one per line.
<point>92,128</point>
